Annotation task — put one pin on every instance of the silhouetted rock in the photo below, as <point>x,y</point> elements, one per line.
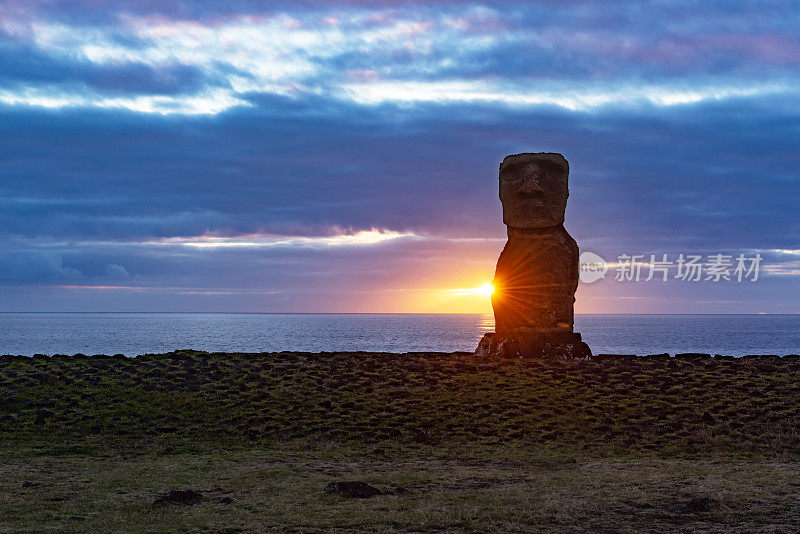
<point>533,344</point>
<point>42,415</point>
<point>354,489</point>
<point>708,419</point>
<point>701,505</point>
<point>537,272</point>
<point>185,497</point>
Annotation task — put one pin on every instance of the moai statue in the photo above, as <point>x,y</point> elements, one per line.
<point>537,272</point>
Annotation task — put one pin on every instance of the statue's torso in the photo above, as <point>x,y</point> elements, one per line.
<point>535,281</point>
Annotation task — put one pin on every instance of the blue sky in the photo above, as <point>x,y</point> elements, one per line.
<point>342,156</point>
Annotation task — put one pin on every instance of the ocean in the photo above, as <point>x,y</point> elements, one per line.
<point>138,333</point>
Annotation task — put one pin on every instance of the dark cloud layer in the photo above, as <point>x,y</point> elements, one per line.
<point>431,169</point>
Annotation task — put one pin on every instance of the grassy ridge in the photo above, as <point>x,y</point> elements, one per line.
<point>87,444</point>
<point>666,406</point>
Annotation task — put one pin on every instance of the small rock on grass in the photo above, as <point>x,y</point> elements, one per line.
<point>187,497</point>
<point>701,505</point>
<point>354,489</point>
<point>708,419</point>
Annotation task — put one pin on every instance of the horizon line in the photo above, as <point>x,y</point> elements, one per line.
<point>355,313</point>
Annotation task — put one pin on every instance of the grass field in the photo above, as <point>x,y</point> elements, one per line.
<point>456,444</point>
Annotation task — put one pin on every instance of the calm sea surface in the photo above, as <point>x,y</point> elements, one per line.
<point>138,333</point>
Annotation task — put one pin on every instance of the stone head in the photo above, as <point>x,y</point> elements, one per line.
<point>533,189</point>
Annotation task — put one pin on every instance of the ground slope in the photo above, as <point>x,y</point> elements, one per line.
<point>456,444</point>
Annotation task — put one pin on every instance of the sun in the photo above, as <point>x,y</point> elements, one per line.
<point>485,290</point>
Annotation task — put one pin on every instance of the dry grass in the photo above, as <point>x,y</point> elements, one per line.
<point>494,490</point>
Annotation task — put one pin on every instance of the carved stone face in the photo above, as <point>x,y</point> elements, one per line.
<point>534,190</point>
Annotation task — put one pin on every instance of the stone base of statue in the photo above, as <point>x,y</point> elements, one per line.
<point>533,344</point>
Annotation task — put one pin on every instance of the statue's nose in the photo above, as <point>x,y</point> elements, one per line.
<point>531,186</point>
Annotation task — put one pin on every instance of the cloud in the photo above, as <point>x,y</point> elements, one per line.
<point>34,265</point>
<point>211,148</point>
<point>188,60</point>
<point>117,271</point>
<point>581,100</point>
<point>338,239</point>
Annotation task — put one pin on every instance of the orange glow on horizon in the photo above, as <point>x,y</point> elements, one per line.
<point>486,290</point>
<point>475,299</point>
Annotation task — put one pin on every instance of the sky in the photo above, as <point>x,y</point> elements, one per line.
<point>342,156</point>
